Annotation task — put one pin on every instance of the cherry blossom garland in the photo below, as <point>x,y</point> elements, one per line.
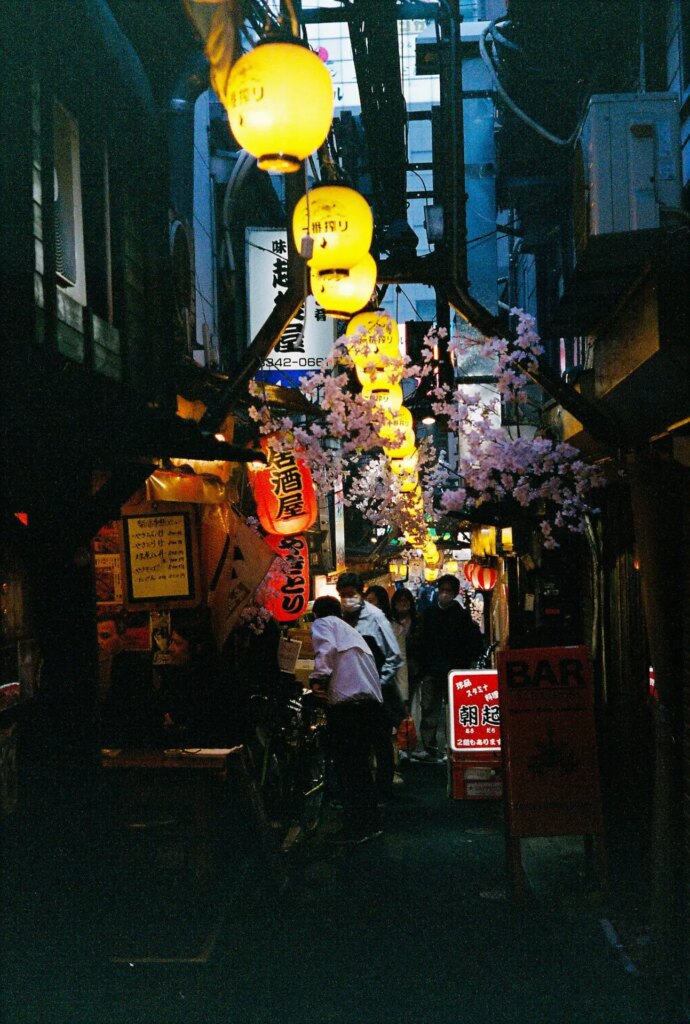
<point>537,475</point>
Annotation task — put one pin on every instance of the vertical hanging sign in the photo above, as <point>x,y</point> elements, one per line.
<point>308,339</point>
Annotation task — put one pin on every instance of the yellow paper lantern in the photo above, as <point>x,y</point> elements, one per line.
<point>341,225</point>
<point>409,482</point>
<point>343,296</point>
<point>483,541</point>
<point>388,397</point>
<point>378,326</point>
<point>279,99</point>
<point>451,565</point>
<point>430,575</point>
<point>430,553</point>
<point>375,347</point>
<point>398,435</point>
<point>403,466</point>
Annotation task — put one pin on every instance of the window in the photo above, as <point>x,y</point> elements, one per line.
<point>69,230</point>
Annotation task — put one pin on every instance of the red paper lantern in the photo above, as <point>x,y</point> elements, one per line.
<point>286,591</point>
<point>481,577</point>
<point>469,570</point>
<point>284,493</point>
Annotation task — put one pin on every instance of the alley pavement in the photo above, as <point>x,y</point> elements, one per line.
<point>418,926</point>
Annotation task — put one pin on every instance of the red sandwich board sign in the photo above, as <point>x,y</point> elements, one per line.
<point>549,742</point>
<point>475,723</point>
<point>474,735</point>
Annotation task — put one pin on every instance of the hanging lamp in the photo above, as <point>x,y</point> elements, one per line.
<point>279,99</point>
<point>332,227</point>
<point>341,297</point>
<point>374,344</point>
<point>430,553</point>
<point>481,577</point>
<point>398,435</point>
<point>388,397</point>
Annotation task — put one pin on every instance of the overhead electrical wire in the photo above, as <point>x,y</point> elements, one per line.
<point>510,103</point>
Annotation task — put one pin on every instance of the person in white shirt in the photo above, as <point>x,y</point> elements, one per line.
<point>371,623</point>
<point>345,673</point>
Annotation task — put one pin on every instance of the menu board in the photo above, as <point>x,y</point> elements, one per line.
<point>160,554</point>
<point>475,719</point>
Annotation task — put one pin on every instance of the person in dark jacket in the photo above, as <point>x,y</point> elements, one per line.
<point>450,639</point>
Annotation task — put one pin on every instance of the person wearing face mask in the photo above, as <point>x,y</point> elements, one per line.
<point>345,675</point>
<point>450,639</point>
<point>371,623</point>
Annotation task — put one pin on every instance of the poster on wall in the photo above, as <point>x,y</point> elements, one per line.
<point>549,742</point>
<point>108,569</point>
<point>160,557</point>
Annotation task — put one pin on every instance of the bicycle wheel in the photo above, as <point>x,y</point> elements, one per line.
<point>313,782</point>
<point>273,788</point>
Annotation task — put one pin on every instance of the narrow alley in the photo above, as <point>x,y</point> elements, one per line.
<point>417,925</point>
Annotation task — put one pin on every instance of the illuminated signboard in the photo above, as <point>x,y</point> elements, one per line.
<point>475,722</point>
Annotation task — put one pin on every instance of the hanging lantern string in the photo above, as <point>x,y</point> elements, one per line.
<point>294,24</point>
<point>328,165</point>
<point>272,22</point>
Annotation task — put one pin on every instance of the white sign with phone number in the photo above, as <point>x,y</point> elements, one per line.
<point>308,339</point>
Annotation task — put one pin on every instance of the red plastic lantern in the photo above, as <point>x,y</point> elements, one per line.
<point>481,577</point>
<point>286,591</point>
<point>284,493</point>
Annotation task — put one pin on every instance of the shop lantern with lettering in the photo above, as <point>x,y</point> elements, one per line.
<point>374,345</point>
<point>286,590</point>
<point>346,295</point>
<point>340,225</point>
<point>284,492</point>
<point>279,100</point>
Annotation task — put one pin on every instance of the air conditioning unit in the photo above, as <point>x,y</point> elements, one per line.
<point>627,166</point>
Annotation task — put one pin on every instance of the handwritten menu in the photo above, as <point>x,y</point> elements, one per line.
<point>158,562</point>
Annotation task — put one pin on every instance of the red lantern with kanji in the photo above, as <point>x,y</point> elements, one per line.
<point>284,493</point>
<point>285,592</point>
<point>481,577</point>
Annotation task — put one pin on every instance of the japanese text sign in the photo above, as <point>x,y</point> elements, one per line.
<point>549,742</point>
<point>287,584</point>
<point>160,555</point>
<point>475,722</point>
<point>308,338</point>
<point>284,492</point>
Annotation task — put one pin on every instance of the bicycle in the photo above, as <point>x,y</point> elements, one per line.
<point>290,756</point>
<point>484,660</point>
